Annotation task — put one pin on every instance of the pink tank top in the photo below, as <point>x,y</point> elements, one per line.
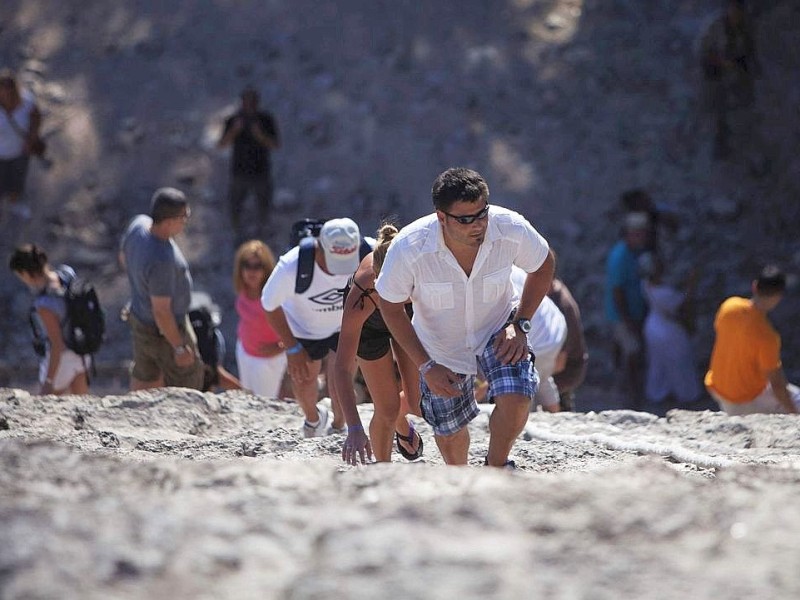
<point>254,329</point>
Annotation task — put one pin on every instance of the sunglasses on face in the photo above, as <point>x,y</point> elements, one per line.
<point>470,219</point>
<point>252,266</point>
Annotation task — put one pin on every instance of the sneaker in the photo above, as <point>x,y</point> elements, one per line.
<point>321,428</point>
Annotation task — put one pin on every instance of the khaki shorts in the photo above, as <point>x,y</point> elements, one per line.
<point>154,357</point>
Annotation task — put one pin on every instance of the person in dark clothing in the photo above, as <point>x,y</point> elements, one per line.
<point>253,133</point>
<point>730,65</point>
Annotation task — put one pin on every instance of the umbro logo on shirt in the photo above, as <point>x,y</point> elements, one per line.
<point>328,298</point>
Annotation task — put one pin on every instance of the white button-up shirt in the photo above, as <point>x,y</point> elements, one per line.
<point>455,315</point>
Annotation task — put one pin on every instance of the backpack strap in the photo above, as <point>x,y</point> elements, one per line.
<point>305,265</point>
<point>305,262</point>
<point>364,249</point>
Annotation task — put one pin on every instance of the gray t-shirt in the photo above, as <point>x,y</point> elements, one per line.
<point>155,268</point>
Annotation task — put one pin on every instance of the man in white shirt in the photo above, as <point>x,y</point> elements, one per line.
<point>455,266</point>
<point>308,322</point>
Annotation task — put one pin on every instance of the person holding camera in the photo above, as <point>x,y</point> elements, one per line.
<point>253,134</point>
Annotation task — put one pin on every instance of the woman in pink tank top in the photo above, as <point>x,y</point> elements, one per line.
<point>259,353</point>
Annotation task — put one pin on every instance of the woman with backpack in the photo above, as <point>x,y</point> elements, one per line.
<point>259,353</point>
<point>61,370</point>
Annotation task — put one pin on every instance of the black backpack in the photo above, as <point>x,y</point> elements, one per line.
<point>210,343</point>
<point>302,234</point>
<point>84,325</point>
<point>205,319</point>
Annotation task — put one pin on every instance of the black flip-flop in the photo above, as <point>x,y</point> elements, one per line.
<point>410,440</point>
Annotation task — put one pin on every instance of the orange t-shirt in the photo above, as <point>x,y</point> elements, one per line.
<point>746,350</point>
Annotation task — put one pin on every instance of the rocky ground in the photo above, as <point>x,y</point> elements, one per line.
<point>562,104</point>
<point>176,494</point>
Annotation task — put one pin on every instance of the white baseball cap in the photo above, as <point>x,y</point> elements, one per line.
<point>637,220</point>
<point>340,240</point>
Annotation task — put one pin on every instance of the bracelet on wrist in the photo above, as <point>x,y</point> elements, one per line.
<point>355,428</point>
<point>426,366</point>
<point>294,349</point>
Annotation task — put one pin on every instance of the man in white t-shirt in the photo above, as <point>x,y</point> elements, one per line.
<point>308,322</point>
<point>546,338</point>
<point>455,266</point>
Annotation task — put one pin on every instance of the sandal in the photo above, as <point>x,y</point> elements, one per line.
<point>410,440</point>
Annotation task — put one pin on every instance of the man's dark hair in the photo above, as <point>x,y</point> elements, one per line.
<point>771,281</point>
<point>28,258</point>
<point>458,184</point>
<point>167,203</point>
<point>636,200</point>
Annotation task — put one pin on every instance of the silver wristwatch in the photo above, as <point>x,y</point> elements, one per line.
<point>523,324</point>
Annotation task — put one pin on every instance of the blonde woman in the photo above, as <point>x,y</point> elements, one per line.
<point>259,353</point>
<point>364,337</point>
<point>61,370</point>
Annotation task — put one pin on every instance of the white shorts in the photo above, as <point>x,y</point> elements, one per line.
<point>765,403</point>
<point>70,366</point>
<point>262,376</point>
<point>547,392</point>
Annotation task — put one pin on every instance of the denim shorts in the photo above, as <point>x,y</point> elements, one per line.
<point>449,415</point>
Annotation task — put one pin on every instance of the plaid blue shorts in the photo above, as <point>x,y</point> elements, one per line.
<point>449,415</point>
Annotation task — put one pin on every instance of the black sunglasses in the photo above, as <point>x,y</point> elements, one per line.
<point>469,219</point>
<point>252,266</point>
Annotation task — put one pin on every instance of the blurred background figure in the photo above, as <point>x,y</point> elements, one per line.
<point>253,133</point>
<point>672,379</point>
<point>660,215</point>
<point>259,354</point>
<point>61,370</point>
<point>730,65</point>
<point>20,122</point>
<point>625,305</point>
<point>746,374</point>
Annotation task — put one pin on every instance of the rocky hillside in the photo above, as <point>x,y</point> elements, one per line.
<point>562,104</point>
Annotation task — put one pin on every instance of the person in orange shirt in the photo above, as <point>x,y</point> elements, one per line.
<point>746,375</point>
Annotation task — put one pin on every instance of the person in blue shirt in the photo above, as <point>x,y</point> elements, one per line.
<point>625,305</point>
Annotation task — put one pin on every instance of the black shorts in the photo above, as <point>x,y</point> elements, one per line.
<point>373,344</point>
<point>12,175</point>
<point>318,349</point>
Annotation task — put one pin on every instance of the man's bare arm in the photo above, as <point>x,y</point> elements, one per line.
<point>778,382</point>
<point>537,284</point>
